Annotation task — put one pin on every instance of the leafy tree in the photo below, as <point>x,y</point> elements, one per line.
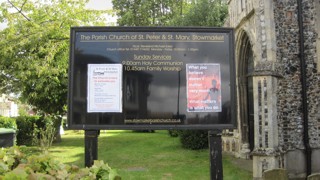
<point>146,12</point>
<point>34,49</point>
<point>170,12</point>
<point>202,13</point>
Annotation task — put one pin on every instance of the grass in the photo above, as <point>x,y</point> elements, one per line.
<point>145,156</point>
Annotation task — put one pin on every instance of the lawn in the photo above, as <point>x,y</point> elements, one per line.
<point>145,156</point>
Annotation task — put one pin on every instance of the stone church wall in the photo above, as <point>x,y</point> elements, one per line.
<point>273,31</point>
<point>290,115</point>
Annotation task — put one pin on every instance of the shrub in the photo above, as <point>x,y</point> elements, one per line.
<point>194,139</point>
<point>174,132</point>
<point>15,165</point>
<point>43,137</point>
<point>27,126</point>
<point>7,122</point>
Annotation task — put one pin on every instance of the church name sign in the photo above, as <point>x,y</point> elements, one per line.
<point>151,78</point>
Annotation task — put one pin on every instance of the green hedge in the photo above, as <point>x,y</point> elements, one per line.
<point>194,139</point>
<point>8,122</point>
<point>26,126</point>
<point>174,132</point>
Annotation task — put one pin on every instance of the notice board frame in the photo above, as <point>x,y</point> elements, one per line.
<point>73,86</point>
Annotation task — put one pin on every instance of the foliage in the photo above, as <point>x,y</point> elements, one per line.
<point>16,165</point>
<point>100,170</point>
<point>43,137</point>
<point>30,129</point>
<point>37,130</point>
<point>170,12</point>
<point>34,49</point>
<point>55,122</point>
<point>194,139</point>
<point>174,132</point>
<point>25,126</point>
<point>146,13</point>
<point>9,159</point>
<point>8,122</point>
<point>23,109</point>
<point>202,13</point>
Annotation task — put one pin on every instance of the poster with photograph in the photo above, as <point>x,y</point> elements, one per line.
<point>203,87</point>
<point>104,88</point>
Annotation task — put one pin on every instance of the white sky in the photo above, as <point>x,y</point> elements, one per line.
<point>93,4</point>
<point>99,4</point>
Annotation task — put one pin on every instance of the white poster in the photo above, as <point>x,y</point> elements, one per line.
<point>104,88</point>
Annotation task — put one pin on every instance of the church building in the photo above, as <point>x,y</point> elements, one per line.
<point>277,50</point>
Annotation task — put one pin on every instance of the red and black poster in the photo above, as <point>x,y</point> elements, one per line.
<point>203,87</point>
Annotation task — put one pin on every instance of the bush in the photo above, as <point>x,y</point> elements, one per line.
<point>27,125</point>
<point>7,122</point>
<point>174,132</point>
<point>16,165</point>
<point>43,137</point>
<point>194,139</point>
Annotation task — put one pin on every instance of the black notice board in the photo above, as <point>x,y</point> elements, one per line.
<point>151,78</point>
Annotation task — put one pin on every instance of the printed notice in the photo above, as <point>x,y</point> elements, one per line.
<point>104,88</point>
<point>203,87</point>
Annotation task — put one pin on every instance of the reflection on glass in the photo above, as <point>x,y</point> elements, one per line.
<point>154,79</point>
<point>131,91</point>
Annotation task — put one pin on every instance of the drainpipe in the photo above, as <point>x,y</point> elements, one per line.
<point>304,91</point>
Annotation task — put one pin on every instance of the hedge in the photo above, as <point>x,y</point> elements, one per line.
<point>8,122</point>
<point>194,139</point>
<point>26,126</point>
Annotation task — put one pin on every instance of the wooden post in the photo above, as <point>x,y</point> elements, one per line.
<point>91,146</point>
<point>215,149</point>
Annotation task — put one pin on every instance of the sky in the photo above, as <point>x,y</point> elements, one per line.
<point>99,4</point>
<point>93,4</point>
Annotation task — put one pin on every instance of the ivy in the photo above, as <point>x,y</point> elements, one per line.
<point>16,165</point>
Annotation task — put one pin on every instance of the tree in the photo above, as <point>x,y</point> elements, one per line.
<point>146,12</point>
<point>170,12</point>
<point>34,49</point>
<point>202,13</point>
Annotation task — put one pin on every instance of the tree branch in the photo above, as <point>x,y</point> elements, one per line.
<point>20,11</point>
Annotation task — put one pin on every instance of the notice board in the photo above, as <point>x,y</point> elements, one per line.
<point>151,78</point>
